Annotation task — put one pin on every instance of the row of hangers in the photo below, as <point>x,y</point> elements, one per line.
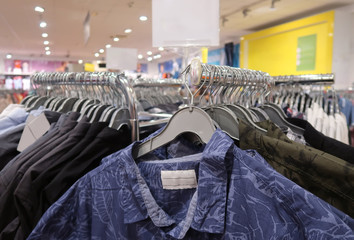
<point>233,94</point>
<point>104,97</point>
<point>301,91</point>
<point>158,91</point>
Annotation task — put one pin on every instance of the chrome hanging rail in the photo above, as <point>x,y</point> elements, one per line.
<point>305,79</point>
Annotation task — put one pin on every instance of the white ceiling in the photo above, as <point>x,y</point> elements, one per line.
<point>20,33</point>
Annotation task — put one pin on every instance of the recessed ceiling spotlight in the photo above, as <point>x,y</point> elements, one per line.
<point>116,39</point>
<point>8,56</point>
<point>46,42</point>
<point>45,35</point>
<point>80,61</point>
<point>143,18</point>
<point>39,9</point>
<point>149,59</point>
<point>149,53</point>
<point>46,48</point>
<point>97,54</point>
<point>140,56</point>
<point>101,50</point>
<point>157,56</point>
<point>128,30</point>
<point>47,52</point>
<point>42,24</point>
<point>161,49</point>
<point>108,45</point>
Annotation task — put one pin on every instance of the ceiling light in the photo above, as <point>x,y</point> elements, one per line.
<point>108,45</point>
<point>157,56</point>
<point>46,42</point>
<point>46,48</point>
<point>143,18</point>
<point>149,53</point>
<point>47,52</point>
<point>101,50</point>
<point>97,54</point>
<point>8,56</point>
<point>128,30</point>
<point>140,56</point>
<point>80,61</point>
<point>39,9</point>
<point>44,35</point>
<point>161,48</point>
<point>116,39</point>
<point>43,24</point>
<point>149,59</point>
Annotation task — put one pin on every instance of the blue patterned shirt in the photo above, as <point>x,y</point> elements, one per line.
<point>238,196</point>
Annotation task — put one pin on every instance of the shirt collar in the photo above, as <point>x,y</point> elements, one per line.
<point>205,213</point>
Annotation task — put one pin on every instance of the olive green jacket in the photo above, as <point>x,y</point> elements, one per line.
<point>328,177</point>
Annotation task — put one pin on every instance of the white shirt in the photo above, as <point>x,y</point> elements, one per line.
<point>319,119</point>
<point>332,127</point>
<point>325,125</point>
<point>342,128</point>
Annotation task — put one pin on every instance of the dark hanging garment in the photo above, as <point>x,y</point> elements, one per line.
<point>229,54</point>
<point>328,177</point>
<point>321,142</point>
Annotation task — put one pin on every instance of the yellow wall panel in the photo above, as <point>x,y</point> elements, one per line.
<point>275,50</point>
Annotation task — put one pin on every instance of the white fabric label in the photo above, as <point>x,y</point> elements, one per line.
<point>178,179</point>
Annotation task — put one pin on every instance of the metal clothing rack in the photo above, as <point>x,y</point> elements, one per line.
<point>200,73</point>
<point>113,81</point>
<point>214,77</point>
<point>306,79</point>
<point>152,83</point>
<point>149,82</point>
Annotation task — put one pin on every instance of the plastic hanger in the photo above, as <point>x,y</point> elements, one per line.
<point>240,111</point>
<point>78,104</point>
<point>26,99</point>
<point>67,105</point>
<point>92,110</point>
<point>277,108</point>
<point>95,117</point>
<point>58,104</point>
<point>86,103</point>
<point>262,115</point>
<point>186,120</point>
<point>254,116</point>
<point>222,115</point>
<point>31,101</point>
<point>279,120</point>
<point>53,103</point>
<point>226,119</point>
<point>48,101</point>
<point>120,117</point>
<point>39,102</point>
<point>108,115</point>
